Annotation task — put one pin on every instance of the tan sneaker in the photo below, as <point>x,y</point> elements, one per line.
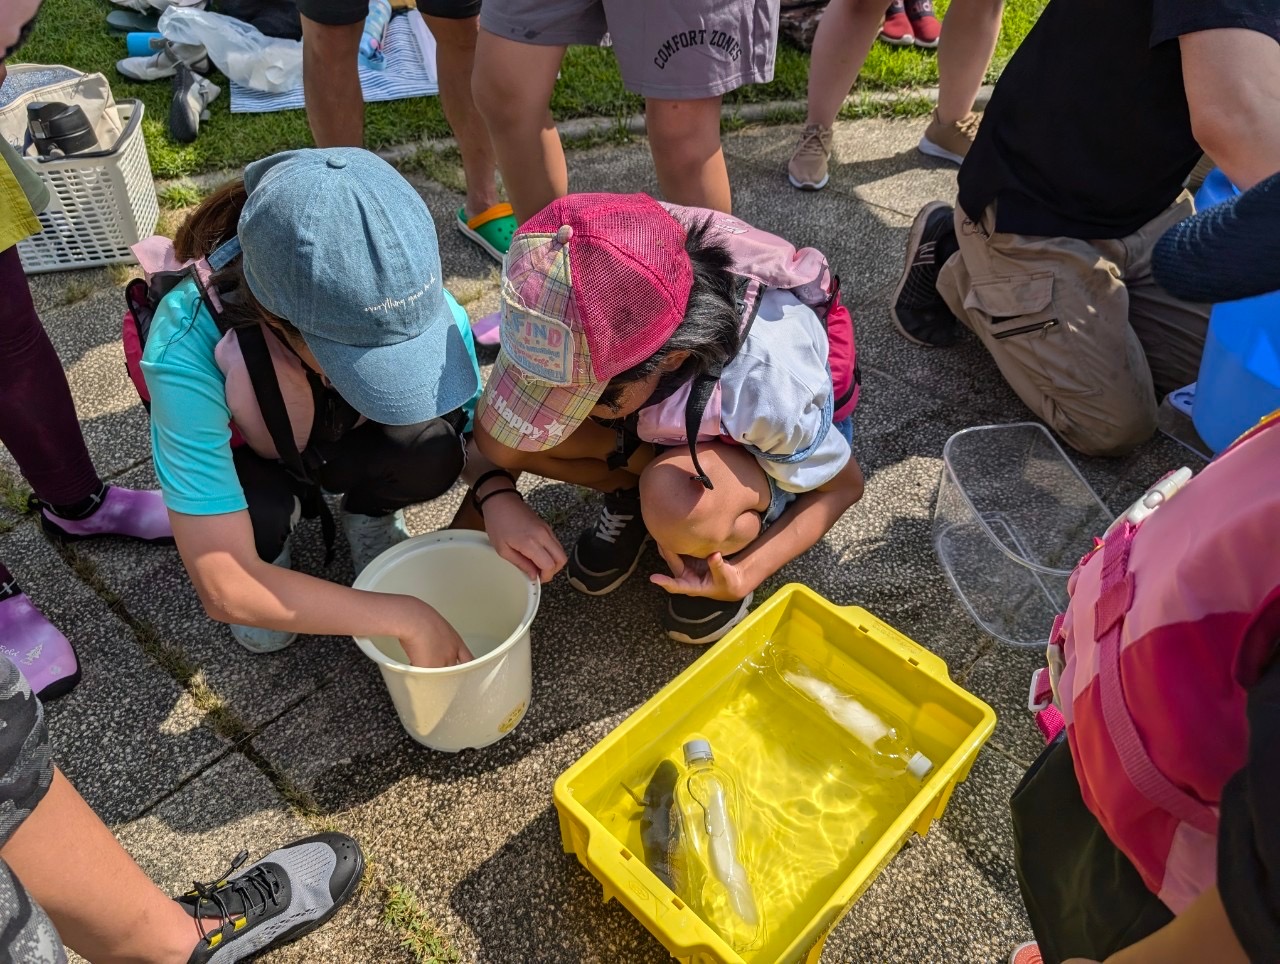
<point>951,142</point>
<point>807,169</point>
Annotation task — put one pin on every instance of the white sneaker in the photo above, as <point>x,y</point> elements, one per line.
<point>371,535</point>
<point>258,640</point>
<point>164,62</point>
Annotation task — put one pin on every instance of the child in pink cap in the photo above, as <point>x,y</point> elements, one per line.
<point>612,307</point>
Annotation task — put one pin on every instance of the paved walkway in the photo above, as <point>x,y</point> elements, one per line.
<point>192,749</point>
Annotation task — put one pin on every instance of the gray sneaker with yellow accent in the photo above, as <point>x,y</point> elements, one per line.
<point>284,896</point>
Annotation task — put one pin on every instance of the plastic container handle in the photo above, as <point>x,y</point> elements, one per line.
<point>908,648</point>
<point>135,118</point>
<point>602,853</point>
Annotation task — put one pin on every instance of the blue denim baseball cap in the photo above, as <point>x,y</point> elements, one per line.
<point>336,242</point>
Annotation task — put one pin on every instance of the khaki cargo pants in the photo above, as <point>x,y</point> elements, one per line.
<point>1079,329</point>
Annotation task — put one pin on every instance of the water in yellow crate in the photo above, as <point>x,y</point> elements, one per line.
<point>813,796</point>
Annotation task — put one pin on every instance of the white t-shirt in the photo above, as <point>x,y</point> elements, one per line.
<point>776,393</point>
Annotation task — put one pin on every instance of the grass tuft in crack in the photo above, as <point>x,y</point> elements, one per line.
<point>403,916</point>
<point>13,493</point>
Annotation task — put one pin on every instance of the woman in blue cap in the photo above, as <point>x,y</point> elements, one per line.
<point>324,272</point>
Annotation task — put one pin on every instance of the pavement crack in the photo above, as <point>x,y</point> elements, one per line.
<point>219,714</point>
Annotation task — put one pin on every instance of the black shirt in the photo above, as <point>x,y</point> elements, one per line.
<point>1087,134</point>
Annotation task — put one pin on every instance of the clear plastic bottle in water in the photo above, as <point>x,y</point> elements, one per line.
<point>709,872</point>
<point>882,739</point>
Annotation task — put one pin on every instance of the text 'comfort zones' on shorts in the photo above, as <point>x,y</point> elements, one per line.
<point>667,49</point>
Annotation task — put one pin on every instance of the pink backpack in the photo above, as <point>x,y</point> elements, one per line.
<point>1173,616</point>
<point>761,261</point>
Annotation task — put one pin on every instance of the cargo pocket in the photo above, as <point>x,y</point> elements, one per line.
<point>1041,355</point>
<point>1014,306</point>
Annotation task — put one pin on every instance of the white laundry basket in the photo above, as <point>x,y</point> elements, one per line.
<point>100,203</point>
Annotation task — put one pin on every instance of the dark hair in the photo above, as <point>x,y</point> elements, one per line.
<point>709,331</point>
<point>207,228</point>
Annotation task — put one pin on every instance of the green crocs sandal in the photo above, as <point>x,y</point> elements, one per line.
<point>491,229</point>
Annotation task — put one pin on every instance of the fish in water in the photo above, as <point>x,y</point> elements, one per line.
<point>659,826</point>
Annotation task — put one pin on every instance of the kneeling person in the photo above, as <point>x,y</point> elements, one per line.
<point>630,328</point>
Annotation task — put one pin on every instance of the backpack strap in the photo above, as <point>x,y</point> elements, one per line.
<point>1117,589</point>
<point>704,386</point>
<point>266,391</point>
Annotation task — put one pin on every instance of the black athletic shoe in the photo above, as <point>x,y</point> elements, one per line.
<point>699,621</point>
<point>918,310</point>
<point>609,552</point>
<point>284,896</point>
<point>192,95</point>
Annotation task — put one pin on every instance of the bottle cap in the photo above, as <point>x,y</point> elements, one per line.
<point>698,750</point>
<point>919,766</point>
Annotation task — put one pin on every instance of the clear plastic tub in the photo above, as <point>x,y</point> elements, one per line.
<point>1013,518</point>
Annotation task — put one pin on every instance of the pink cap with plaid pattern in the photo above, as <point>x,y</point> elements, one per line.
<point>592,285</point>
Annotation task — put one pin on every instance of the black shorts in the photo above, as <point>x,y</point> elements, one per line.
<point>340,13</point>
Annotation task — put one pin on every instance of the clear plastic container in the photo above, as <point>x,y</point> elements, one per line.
<point>1013,518</point>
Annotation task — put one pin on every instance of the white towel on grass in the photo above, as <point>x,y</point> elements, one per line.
<point>410,71</point>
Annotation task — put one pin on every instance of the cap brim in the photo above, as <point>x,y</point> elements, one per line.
<point>528,414</point>
<point>406,383</point>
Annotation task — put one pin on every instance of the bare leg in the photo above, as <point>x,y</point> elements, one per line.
<point>512,84</point>
<point>331,83</point>
<point>684,136</point>
<point>969,33</point>
<point>61,849</point>
<point>844,37</point>
<point>455,57</point>
<point>687,519</point>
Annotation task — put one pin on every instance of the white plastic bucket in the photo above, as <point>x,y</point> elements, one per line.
<point>491,604</point>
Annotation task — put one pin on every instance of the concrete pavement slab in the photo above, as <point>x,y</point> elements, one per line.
<point>874,161</point>
<point>194,834</point>
<point>128,732</point>
<point>1002,678</point>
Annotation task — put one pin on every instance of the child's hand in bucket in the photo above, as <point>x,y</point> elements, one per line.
<point>433,643</point>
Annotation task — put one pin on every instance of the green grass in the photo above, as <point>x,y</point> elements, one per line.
<point>73,32</point>
<point>404,917</point>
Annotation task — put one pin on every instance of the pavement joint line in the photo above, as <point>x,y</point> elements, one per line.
<point>225,722</point>
<point>238,747</point>
<point>765,112</point>
<point>995,747</point>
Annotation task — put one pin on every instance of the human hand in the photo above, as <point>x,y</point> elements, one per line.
<point>431,642</point>
<point>713,577</point>
<point>522,538</point>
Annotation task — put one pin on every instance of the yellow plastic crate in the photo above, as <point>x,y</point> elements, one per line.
<point>948,724</point>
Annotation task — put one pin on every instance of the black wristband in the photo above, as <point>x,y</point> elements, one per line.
<point>491,474</point>
<point>479,503</point>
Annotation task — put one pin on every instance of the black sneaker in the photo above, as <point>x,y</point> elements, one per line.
<point>192,95</point>
<point>918,310</point>
<point>609,552</point>
<point>284,896</point>
<point>699,621</point>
